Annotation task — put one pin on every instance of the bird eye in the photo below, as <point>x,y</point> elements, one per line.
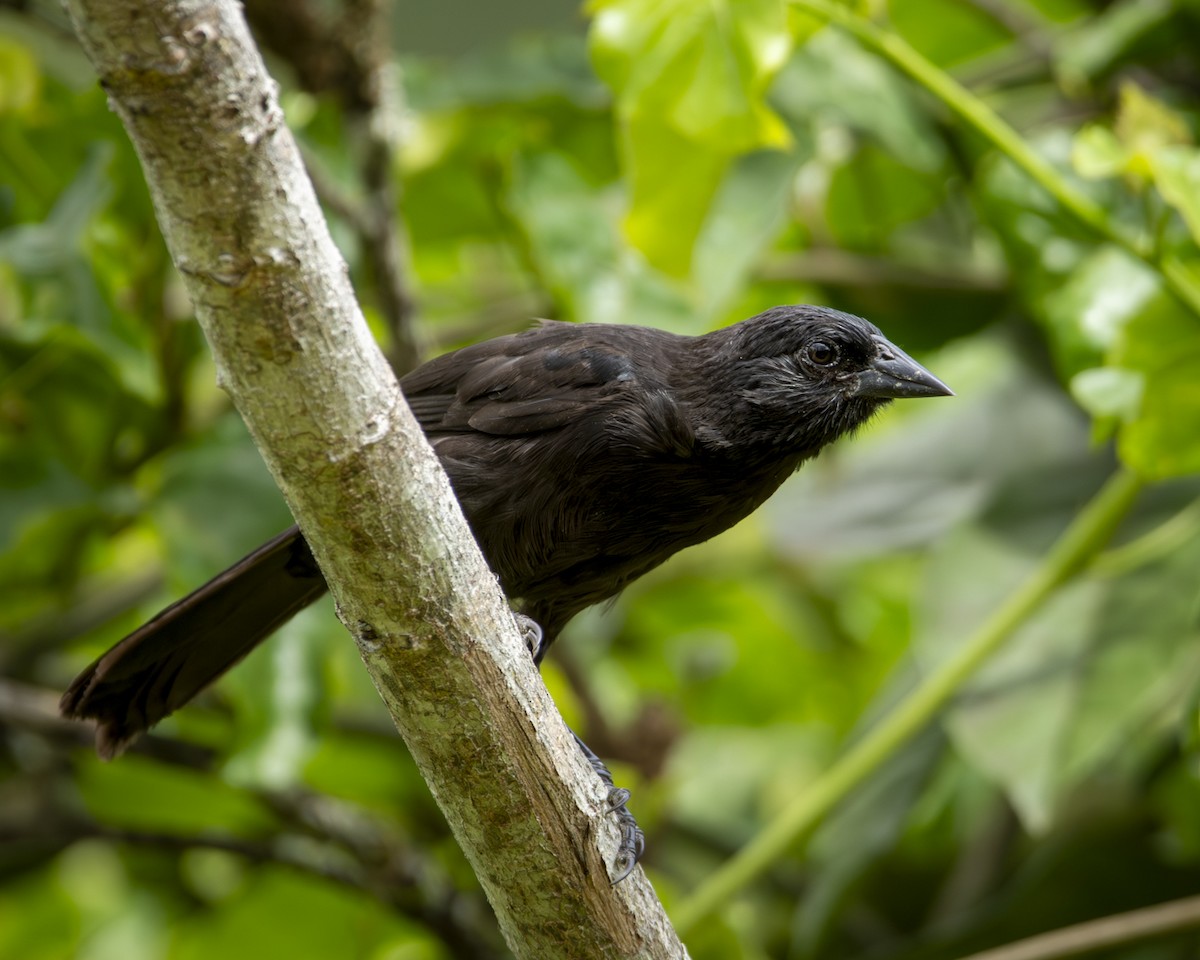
<point>821,353</point>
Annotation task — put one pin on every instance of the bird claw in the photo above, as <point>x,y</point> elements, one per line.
<point>532,634</point>
<point>633,840</point>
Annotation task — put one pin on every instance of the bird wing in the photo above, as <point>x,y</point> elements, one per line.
<point>528,383</point>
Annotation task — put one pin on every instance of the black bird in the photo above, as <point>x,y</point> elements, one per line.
<point>583,456</point>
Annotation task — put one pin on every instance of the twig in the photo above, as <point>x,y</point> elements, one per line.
<point>442,914</point>
<point>369,24</point>
<point>319,50</point>
<point>1101,934</point>
<point>370,856</point>
<point>34,709</point>
<point>350,56</point>
<point>331,193</point>
<point>645,743</point>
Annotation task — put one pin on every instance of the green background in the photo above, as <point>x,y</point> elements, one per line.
<point>682,165</point>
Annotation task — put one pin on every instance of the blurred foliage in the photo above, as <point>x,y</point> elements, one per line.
<point>682,165</point>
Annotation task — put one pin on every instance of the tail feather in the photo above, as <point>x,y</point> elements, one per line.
<point>167,661</point>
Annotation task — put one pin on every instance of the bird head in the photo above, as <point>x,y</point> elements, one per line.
<point>801,376</point>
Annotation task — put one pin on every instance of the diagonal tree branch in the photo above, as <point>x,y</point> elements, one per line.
<point>292,350</point>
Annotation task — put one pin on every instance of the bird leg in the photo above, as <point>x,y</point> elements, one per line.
<point>633,840</point>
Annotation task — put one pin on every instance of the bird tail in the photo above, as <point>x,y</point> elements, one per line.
<point>163,664</point>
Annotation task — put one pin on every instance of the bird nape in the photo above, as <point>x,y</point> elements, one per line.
<point>583,455</point>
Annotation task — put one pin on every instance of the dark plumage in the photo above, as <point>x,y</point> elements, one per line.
<point>582,455</point>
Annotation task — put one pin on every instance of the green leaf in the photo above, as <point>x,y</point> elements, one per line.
<point>689,80</point>
<point>1130,352</point>
<point>1162,344</point>
<point>213,498</point>
<point>56,243</point>
<point>699,68</point>
<point>1096,153</point>
<point>1176,172</point>
<point>39,918</point>
<point>1109,392</point>
<point>1101,38</point>
<point>1082,685</point>
<point>669,196</point>
<point>1144,126</point>
<point>286,914</point>
<point>1086,314</point>
<point>277,696</point>
<point>873,195</point>
<point>746,213</point>
<point>945,31</point>
<point>862,831</point>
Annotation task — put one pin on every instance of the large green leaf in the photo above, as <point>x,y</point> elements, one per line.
<point>690,80</point>
<point>1162,345</point>
<point>1087,684</point>
<point>1176,172</point>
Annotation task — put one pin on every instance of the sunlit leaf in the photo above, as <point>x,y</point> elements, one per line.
<point>1176,172</point>
<point>1144,126</point>
<point>1088,312</point>
<point>1109,392</point>
<point>1097,153</point>
<point>689,81</point>
<point>1162,343</point>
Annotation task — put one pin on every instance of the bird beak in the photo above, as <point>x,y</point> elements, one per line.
<point>893,374</point>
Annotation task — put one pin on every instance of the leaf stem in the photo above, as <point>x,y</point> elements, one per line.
<point>1173,533</point>
<point>985,121</point>
<point>1082,540</point>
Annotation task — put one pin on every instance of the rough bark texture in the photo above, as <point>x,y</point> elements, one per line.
<point>292,350</point>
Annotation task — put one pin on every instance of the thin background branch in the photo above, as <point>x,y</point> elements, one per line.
<point>1102,934</point>
<point>349,55</point>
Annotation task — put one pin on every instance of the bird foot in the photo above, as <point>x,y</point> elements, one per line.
<point>633,840</point>
<point>531,633</point>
